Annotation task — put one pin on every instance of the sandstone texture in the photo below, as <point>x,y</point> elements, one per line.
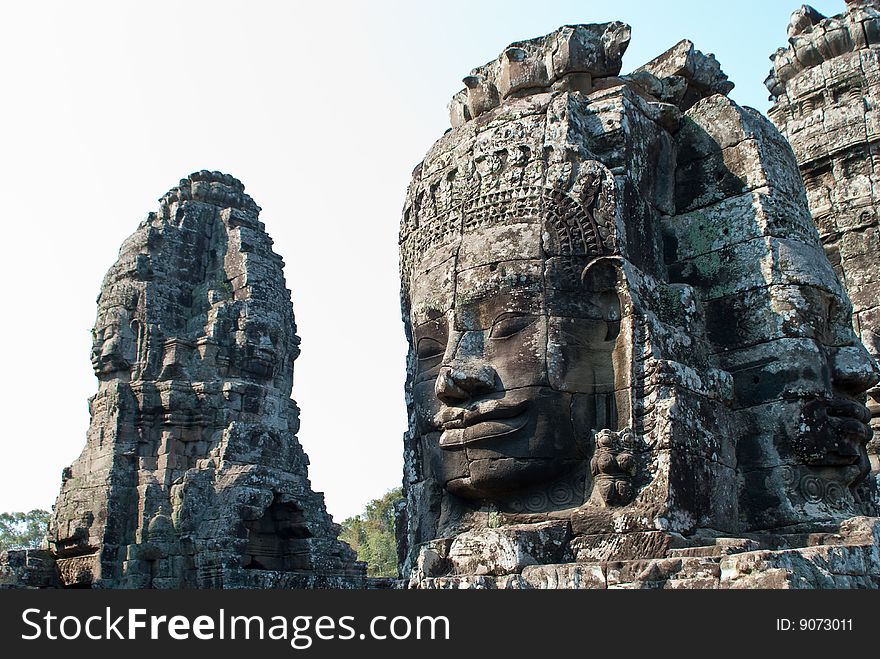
<point>192,475</point>
<point>631,362</point>
<point>27,568</point>
<point>826,92</point>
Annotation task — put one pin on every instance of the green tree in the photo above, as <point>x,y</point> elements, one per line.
<point>371,535</point>
<point>23,530</point>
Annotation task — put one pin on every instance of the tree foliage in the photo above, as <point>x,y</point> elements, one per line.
<point>371,535</point>
<point>23,530</point>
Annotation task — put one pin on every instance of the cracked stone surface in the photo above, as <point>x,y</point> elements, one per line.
<point>192,475</point>
<point>631,362</point>
<point>826,92</point>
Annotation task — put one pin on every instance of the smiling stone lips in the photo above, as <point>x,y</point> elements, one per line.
<point>484,420</point>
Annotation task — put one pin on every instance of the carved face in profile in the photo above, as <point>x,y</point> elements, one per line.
<point>832,428</point>
<point>514,360</point>
<point>113,344</point>
<point>805,381</point>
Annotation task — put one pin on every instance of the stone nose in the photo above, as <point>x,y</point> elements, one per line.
<point>110,347</point>
<point>853,370</point>
<point>463,381</point>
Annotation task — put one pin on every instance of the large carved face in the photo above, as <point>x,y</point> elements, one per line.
<point>807,383</point>
<point>514,360</point>
<point>833,428</point>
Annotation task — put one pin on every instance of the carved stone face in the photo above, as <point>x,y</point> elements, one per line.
<point>258,352</point>
<point>514,365</point>
<point>832,428</point>
<point>809,385</point>
<point>113,345</point>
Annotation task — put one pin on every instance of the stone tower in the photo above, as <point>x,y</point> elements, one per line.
<point>192,475</point>
<point>826,92</point>
<point>631,363</point>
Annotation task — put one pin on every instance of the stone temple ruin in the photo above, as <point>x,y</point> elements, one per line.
<point>192,475</point>
<point>640,348</point>
<point>631,362</point>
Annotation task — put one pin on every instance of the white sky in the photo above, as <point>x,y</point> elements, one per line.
<point>322,110</point>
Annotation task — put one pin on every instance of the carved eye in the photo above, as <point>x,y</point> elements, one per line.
<point>429,349</point>
<point>508,326</point>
